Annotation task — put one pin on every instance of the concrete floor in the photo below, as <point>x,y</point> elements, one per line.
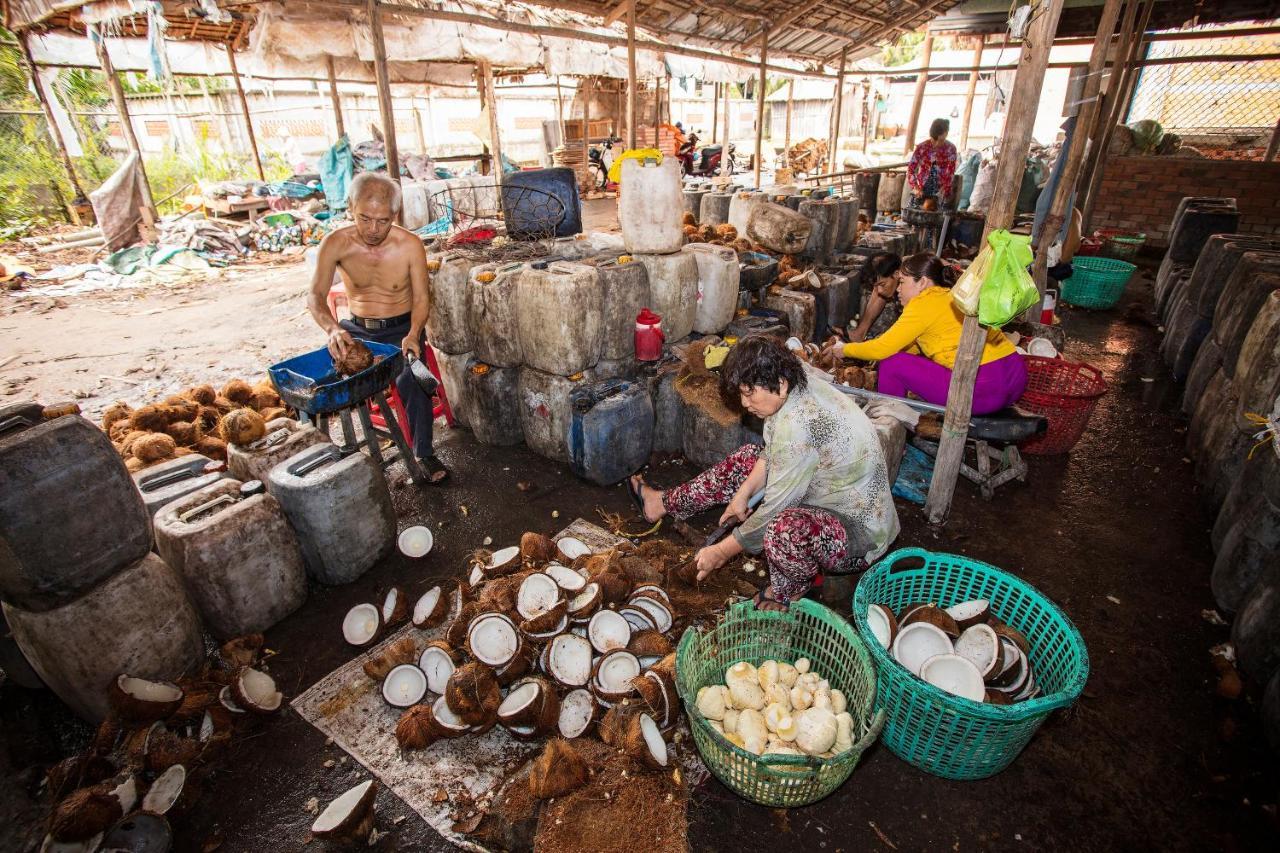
<point>1150,758</point>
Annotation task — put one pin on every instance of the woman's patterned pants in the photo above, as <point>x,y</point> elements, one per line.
<point>799,543</point>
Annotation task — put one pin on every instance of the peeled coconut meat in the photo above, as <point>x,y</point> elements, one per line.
<point>538,594</point>
<point>656,610</point>
<point>883,624</point>
<point>954,674</point>
<point>346,816</point>
<point>415,541</point>
<point>568,660</point>
<point>566,578</point>
<point>638,619</point>
<point>577,711</point>
<point>476,577</point>
<point>608,630</point>
<point>165,791</point>
<point>970,613</point>
<point>404,686</point>
<point>256,691</point>
<point>980,645</point>
<point>571,549</point>
<point>492,639</point>
<point>431,608</point>
<point>361,624</point>
<point>504,561</point>
<point>437,665</point>
<point>918,642</point>
<point>144,701</point>
<point>615,671</point>
<point>585,603</point>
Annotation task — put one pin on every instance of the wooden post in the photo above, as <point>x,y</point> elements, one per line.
<point>560,112</point>
<point>1075,153</point>
<point>122,110</point>
<point>335,97</point>
<point>1018,125</point>
<point>832,165</point>
<point>917,104</point>
<point>715,112</point>
<point>491,100</point>
<point>54,131</point>
<point>764,58</point>
<point>867,108</point>
<point>586,141</point>
<point>417,126</point>
<point>631,74</point>
<point>385,105</point>
<point>1115,61</point>
<point>727,132</point>
<point>978,42</point>
<point>786,133</point>
<point>1274,145</point>
<point>244,108</point>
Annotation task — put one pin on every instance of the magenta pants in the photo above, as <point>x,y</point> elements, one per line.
<point>999,384</point>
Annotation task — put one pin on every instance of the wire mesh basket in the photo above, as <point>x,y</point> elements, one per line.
<point>489,221</point>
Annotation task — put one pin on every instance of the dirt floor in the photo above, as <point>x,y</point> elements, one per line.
<point>1150,758</point>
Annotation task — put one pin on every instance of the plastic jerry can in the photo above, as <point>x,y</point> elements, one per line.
<point>449,279</point>
<point>164,483</point>
<point>668,412</point>
<point>237,555</point>
<point>493,315</point>
<point>835,295</point>
<point>616,368</point>
<point>825,215</point>
<point>706,441</point>
<point>545,410</point>
<point>560,316</point>
<point>801,310</point>
<point>648,336</point>
<point>493,395</point>
<point>624,286</point>
<point>453,375</point>
<point>693,200</point>
<point>778,228</point>
<point>650,202</point>
<point>340,505</point>
<point>718,279</point>
<point>740,208</point>
<point>673,291</point>
<point>847,222</point>
<point>64,477</point>
<point>611,432</point>
<point>714,209</point>
<point>284,437</point>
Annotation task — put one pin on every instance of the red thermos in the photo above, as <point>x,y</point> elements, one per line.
<point>649,337</point>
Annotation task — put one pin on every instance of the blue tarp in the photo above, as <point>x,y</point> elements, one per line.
<point>336,169</point>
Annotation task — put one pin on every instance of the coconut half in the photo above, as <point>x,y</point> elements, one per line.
<point>638,618</point>
<point>935,616</point>
<point>228,701</point>
<point>447,723</point>
<point>362,625</point>
<point>652,590</point>
<point>431,608</point>
<point>980,645</point>
<point>90,845</point>
<point>613,674</point>
<point>493,639</point>
<point>503,562</point>
<point>954,674</point>
<point>883,624</point>
<point>531,703</point>
<point>166,790</point>
<point>1014,666</point>
<point>578,711</point>
<point>659,612</point>
<point>404,686</point>
<point>139,700</point>
<point>568,580</point>
<point>349,816</point>
<point>549,623</point>
<point>648,747</point>
<point>970,613</point>
<point>415,542</point>
<point>437,663</point>
<point>585,604</point>
<point>395,607</point>
<point>538,594</point>
<point>256,692</point>
<point>571,549</point>
<point>476,577</point>
<point>568,660</point>
<point>918,642</point>
<point>608,630</point>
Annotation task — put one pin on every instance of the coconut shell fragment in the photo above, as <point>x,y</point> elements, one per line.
<point>382,662</point>
<point>242,427</point>
<point>536,548</point>
<point>357,357</point>
<point>140,701</point>
<point>936,617</point>
<point>557,771</point>
<point>473,693</point>
<point>85,813</point>
<point>350,817</point>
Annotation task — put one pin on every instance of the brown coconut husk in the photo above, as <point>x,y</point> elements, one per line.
<point>456,634</point>
<point>613,727</point>
<point>214,448</point>
<point>536,548</point>
<point>558,770</point>
<point>666,668</point>
<point>358,357</point>
<point>184,433</point>
<point>662,554</point>
<point>936,617</point>
<point>154,447</point>
<point>636,746</point>
<point>499,594</point>
<point>202,394</point>
<point>242,427</point>
<point>274,412</point>
<point>645,643</point>
<point>106,737</point>
<point>126,443</point>
<point>700,387</point>
<point>265,397</point>
<point>165,749</point>
<point>133,465</point>
<point>207,418</point>
<point>416,729</point>
<point>152,418</point>
<point>184,407</point>
<point>639,571</point>
<point>116,412</point>
<point>546,621</point>
<point>238,391</point>
<point>613,588</point>
<point>473,693</point>
<point>403,650</point>
<point>119,429</point>
<point>85,813</point>
<point>242,651</point>
<point>223,405</point>
<point>78,771</point>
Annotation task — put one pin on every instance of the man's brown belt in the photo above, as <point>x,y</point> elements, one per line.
<point>375,325</point>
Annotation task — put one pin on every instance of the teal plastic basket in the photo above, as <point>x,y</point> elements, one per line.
<point>942,733</point>
<point>1096,282</point>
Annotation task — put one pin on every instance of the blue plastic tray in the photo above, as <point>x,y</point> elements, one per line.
<point>309,383</point>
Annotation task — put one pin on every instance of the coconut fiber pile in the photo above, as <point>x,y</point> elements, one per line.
<point>199,420</point>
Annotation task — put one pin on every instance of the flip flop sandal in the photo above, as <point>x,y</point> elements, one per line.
<point>434,466</point>
<point>761,597</point>
<point>636,497</point>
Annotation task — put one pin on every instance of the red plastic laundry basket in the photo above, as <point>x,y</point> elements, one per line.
<point>1065,392</point>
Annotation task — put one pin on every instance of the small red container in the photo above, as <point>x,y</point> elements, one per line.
<point>649,337</point>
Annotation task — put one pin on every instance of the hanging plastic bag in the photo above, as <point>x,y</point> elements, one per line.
<point>967,291</point>
<point>1008,288</point>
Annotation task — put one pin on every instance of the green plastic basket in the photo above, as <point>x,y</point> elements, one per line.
<point>806,630</point>
<point>1096,282</point>
<point>945,734</point>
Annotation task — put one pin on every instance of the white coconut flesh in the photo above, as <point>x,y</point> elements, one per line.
<point>446,718</point>
<point>653,739</point>
<point>608,630</point>
<point>404,686</point>
<point>165,791</point>
<point>259,690</point>
<point>501,558</point>
<point>1013,671</point>
<point>585,602</point>
<point>560,627</point>
<point>577,709</point>
<point>971,612</point>
<point>980,645</point>
<point>878,622</point>
<point>437,666</point>
<point>657,611</point>
<point>477,576</point>
<point>127,793</point>
<point>666,699</point>
<point>616,670</point>
<point>918,642</point>
<point>228,701</point>
<point>415,542</point>
<point>493,640</point>
<point>518,700</point>
<point>426,605</point>
<point>389,604</point>
<point>653,591</point>
<point>566,578</point>
<point>571,549</point>
<point>361,624</point>
<point>207,727</point>
<point>538,594</point>
<point>956,675</point>
<point>160,692</point>
<point>340,811</point>
<point>638,619</point>
<point>569,660</point>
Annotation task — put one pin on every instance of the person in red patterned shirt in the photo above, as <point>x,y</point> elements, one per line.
<point>932,166</point>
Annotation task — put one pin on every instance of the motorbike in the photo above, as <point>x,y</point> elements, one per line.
<point>704,163</point>
<point>600,158</point>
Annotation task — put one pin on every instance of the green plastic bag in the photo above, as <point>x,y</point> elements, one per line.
<point>1008,289</point>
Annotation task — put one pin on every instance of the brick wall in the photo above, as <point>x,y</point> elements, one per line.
<point>1142,193</point>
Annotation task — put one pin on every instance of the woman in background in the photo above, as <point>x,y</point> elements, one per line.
<point>933,166</point>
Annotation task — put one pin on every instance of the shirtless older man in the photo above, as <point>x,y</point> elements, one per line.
<point>384,268</point>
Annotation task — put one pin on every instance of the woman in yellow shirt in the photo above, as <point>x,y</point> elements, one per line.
<point>930,325</point>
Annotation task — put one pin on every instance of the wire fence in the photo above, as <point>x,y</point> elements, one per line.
<point>1224,109</point>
